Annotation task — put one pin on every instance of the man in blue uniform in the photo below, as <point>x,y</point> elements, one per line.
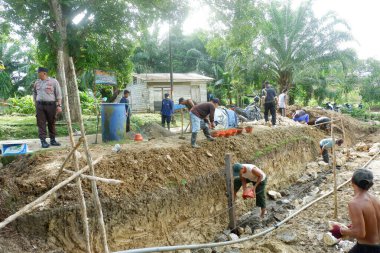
<point>167,111</point>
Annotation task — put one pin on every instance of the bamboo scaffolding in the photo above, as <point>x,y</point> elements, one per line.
<point>94,188</point>
<point>29,207</point>
<point>74,146</point>
<point>334,171</point>
<point>69,155</point>
<point>100,179</point>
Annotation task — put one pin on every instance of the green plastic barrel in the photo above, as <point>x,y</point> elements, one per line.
<point>113,122</point>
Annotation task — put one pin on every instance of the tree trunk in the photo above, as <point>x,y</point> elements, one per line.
<point>61,28</point>
<point>285,82</point>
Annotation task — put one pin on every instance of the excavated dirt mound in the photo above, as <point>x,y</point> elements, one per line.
<point>154,130</point>
<point>171,193</point>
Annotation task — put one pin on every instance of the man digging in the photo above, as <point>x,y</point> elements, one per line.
<point>199,120</point>
<point>326,144</point>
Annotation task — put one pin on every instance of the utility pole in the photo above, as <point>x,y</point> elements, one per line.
<point>170,61</point>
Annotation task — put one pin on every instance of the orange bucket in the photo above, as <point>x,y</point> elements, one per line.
<point>215,133</point>
<point>248,129</point>
<point>138,137</point>
<point>222,133</point>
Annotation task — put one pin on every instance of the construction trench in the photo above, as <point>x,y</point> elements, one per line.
<point>172,194</point>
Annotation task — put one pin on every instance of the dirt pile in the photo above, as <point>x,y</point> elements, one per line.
<point>172,194</point>
<point>153,130</point>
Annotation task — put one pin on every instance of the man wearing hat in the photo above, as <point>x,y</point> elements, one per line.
<point>249,173</point>
<point>202,117</point>
<point>326,144</point>
<point>47,98</point>
<point>167,110</point>
<point>125,100</point>
<point>364,211</point>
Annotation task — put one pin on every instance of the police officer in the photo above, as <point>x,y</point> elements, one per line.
<point>47,98</point>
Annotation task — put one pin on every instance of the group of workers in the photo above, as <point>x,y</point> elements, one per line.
<point>364,208</point>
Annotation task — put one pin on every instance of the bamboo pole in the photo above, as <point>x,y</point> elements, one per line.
<point>74,146</point>
<point>96,199</point>
<point>100,179</point>
<point>69,155</point>
<point>344,138</point>
<point>29,207</point>
<point>230,191</point>
<point>334,171</point>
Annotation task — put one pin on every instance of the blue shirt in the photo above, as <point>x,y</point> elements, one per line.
<point>126,102</point>
<point>167,107</point>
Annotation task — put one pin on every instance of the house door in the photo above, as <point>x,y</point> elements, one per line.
<point>158,95</point>
<point>196,93</point>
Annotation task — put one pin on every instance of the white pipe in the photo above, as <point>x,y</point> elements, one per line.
<point>218,244</point>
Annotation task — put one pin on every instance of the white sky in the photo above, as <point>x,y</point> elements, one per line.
<point>363,16</point>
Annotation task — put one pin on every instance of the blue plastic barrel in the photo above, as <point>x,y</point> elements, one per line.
<point>113,122</point>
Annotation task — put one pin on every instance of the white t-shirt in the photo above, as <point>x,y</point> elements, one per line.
<point>249,175</point>
<point>281,100</point>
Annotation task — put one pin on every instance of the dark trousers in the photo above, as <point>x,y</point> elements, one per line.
<point>165,118</point>
<point>271,106</point>
<point>260,190</point>
<point>363,248</point>
<point>128,124</point>
<point>282,112</point>
<point>325,155</point>
<point>46,113</point>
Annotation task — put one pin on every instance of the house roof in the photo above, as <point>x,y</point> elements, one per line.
<point>177,77</point>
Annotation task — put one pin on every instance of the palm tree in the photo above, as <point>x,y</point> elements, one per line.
<point>294,39</point>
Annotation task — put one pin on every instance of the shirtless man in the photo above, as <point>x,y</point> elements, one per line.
<point>364,211</point>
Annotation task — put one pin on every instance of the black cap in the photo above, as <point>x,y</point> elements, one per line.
<point>363,178</point>
<point>42,69</point>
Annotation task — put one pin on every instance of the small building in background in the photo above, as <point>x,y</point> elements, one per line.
<point>147,90</point>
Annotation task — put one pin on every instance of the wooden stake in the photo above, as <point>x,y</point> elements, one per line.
<point>334,171</point>
<point>230,192</point>
<point>98,206</point>
<point>74,146</point>
<point>29,207</point>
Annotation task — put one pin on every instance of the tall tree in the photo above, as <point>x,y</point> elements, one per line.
<point>293,39</point>
<point>103,38</point>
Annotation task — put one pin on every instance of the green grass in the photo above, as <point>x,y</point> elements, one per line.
<point>270,148</point>
<point>25,127</point>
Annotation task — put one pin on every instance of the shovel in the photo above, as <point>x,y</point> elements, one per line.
<point>182,137</point>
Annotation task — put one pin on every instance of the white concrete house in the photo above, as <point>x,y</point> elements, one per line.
<point>147,90</point>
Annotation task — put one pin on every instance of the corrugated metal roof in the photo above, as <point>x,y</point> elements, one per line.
<point>177,77</point>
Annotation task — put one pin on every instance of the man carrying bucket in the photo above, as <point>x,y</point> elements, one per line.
<point>249,173</point>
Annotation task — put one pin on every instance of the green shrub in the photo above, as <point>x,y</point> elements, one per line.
<point>88,103</point>
<point>23,105</point>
